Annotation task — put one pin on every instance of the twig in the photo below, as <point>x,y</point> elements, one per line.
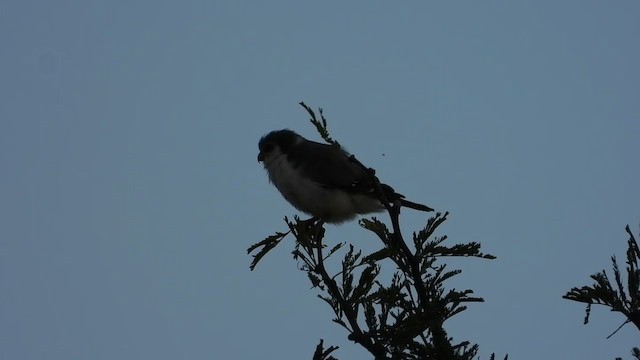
<point>619,327</point>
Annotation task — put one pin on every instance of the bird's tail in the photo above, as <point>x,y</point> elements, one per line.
<point>415,206</point>
<point>392,195</point>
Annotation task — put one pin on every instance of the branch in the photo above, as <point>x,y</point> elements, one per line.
<point>602,291</point>
<point>440,339</point>
<point>357,335</point>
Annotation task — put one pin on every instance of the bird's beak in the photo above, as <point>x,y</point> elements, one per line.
<point>260,157</point>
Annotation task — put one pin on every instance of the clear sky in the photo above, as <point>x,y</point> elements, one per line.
<point>130,188</point>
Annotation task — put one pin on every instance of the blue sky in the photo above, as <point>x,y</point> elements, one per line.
<point>130,188</point>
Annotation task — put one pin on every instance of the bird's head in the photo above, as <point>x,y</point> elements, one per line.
<point>276,143</point>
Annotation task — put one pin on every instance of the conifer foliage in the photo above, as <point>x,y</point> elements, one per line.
<point>615,296</point>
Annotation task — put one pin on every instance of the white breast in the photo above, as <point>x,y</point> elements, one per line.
<point>331,205</point>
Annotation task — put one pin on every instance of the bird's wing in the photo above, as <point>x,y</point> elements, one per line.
<point>329,166</point>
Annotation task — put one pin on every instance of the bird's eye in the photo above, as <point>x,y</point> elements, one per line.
<point>267,147</point>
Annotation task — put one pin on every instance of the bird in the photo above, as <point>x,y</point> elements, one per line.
<point>323,180</point>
